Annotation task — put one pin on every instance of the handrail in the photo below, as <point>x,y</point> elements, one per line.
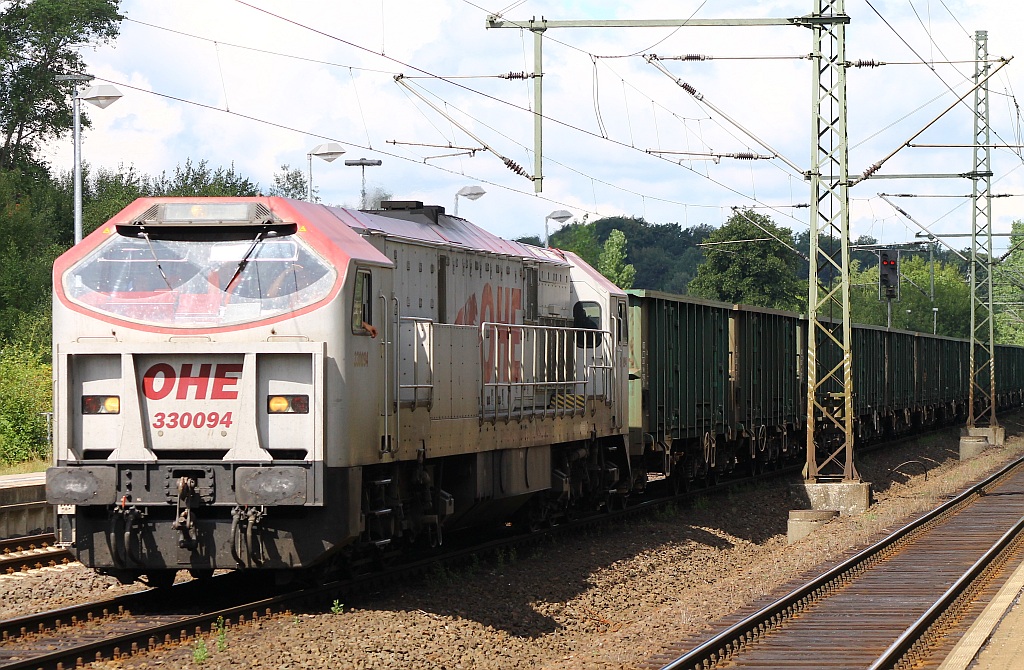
<point>384,343</point>
<point>598,360</point>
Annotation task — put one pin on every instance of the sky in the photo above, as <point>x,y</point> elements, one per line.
<point>258,84</point>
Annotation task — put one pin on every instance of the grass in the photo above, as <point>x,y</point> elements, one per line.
<point>24,467</point>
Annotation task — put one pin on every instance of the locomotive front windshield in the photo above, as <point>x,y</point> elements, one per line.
<point>199,283</point>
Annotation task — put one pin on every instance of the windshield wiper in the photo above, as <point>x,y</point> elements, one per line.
<point>142,231</point>
<point>245,259</point>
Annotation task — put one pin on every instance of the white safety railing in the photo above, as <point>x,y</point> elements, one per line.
<point>543,371</point>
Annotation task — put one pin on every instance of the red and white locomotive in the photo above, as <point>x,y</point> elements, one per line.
<point>268,383</point>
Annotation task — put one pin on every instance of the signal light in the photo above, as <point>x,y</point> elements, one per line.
<point>101,404</point>
<point>288,404</point>
<point>888,273</point>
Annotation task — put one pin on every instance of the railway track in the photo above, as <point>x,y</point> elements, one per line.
<point>33,552</point>
<point>108,629</point>
<point>889,605</point>
<point>128,624</point>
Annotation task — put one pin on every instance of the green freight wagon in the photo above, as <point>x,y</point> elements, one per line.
<point>766,381</point>
<point>901,378</point>
<point>869,379</point>
<point>679,383</point>
<point>928,363</point>
<point>1009,374</point>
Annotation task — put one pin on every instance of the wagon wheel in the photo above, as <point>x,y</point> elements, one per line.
<point>679,477</point>
<point>710,456</point>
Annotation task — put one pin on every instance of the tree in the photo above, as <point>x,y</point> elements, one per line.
<point>579,238</point>
<point>1008,289</point>
<point>612,262</point>
<point>39,40</point>
<point>532,240</point>
<point>913,310</point>
<point>27,249</point>
<point>665,255</point>
<point>745,265</point>
<point>200,180</point>
<point>291,183</point>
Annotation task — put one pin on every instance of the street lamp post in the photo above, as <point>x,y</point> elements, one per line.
<point>101,96</point>
<point>935,320</point>
<point>471,192</point>
<point>559,215</point>
<point>363,163</point>
<point>328,152</point>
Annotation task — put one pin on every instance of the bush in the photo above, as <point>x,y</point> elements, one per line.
<point>25,393</point>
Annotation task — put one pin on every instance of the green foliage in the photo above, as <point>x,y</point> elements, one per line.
<point>612,262</point>
<point>28,248</point>
<point>665,255</point>
<point>39,40</point>
<point>913,311</point>
<point>200,654</point>
<point>579,238</point>
<point>337,607</point>
<point>201,180</point>
<point>108,192</point>
<point>739,270</point>
<point>531,240</point>
<point>222,634</point>
<point>291,183</point>
<point>1008,288</point>
<point>25,382</point>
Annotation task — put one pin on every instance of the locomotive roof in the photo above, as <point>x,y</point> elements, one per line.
<point>409,221</point>
<point>429,224</point>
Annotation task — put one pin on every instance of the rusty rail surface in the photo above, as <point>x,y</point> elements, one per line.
<point>32,552</point>
<point>883,607</point>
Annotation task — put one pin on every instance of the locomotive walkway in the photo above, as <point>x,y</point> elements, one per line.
<point>899,603</point>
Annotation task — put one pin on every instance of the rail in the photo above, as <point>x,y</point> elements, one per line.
<point>558,372</point>
<point>726,643</point>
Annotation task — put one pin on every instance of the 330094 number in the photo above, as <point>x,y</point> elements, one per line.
<point>191,420</point>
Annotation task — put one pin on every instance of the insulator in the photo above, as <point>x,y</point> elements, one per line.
<point>515,167</point>
<point>694,57</point>
<point>865,63</point>
<point>516,75</point>
<point>871,170</point>
<point>745,156</point>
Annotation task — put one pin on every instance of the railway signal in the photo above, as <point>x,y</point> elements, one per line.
<point>888,274</point>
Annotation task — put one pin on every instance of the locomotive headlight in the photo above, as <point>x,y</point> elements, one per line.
<point>288,404</point>
<point>101,404</point>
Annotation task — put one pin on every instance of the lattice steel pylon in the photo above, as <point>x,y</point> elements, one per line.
<point>981,410</point>
<point>829,363</point>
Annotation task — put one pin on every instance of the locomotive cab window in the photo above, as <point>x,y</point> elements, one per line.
<point>362,304</point>
<point>201,277</point>
<point>587,315</point>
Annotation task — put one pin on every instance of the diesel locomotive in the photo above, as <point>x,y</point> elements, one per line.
<point>271,384</point>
